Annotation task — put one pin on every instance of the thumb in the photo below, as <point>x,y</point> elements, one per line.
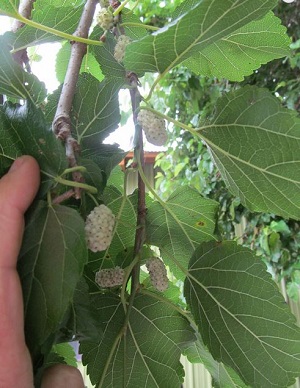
<point>61,376</point>
<point>17,190</point>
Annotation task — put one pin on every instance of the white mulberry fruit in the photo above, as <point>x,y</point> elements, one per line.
<point>111,277</point>
<point>153,126</point>
<point>158,273</point>
<point>99,226</point>
<point>105,19</point>
<point>120,47</point>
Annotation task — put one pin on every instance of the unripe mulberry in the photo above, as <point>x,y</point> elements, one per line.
<point>158,273</point>
<point>153,126</point>
<point>120,47</point>
<point>104,3</point>
<point>99,226</point>
<point>111,277</point>
<point>105,19</point>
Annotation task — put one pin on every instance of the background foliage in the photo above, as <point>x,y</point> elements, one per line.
<point>222,73</point>
<point>192,98</point>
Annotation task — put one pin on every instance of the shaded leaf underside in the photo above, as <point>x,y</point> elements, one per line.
<point>255,143</point>
<point>178,226</point>
<point>203,24</point>
<point>148,354</point>
<point>50,265</point>
<point>241,315</point>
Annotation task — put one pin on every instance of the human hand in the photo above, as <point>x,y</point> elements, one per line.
<point>17,190</point>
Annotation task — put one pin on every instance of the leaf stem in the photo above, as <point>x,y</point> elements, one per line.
<point>120,7</point>
<point>73,169</point>
<point>61,34</point>
<point>182,312</point>
<point>134,6</point>
<point>80,185</point>
<point>111,353</point>
<point>127,275</point>
<point>141,25</point>
<point>63,197</point>
<point>147,183</point>
<point>93,199</point>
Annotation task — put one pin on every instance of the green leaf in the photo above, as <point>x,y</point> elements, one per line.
<point>242,316</point>
<point>184,221</point>
<point>66,351</point>
<point>133,32</point>
<point>106,156</point>
<point>203,24</point>
<point>222,375</point>
<point>23,132</point>
<point>95,109</point>
<point>95,113</point>
<point>124,208</point>
<point>50,265</point>
<point>255,144</point>
<point>89,64</point>
<point>117,178</point>
<point>14,81</point>
<point>93,175</point>
<point>80,321</point>
<point>146,354</point>
<point>9,7</point>
<point>54,15</point>
<point>110,67</point>
<point>243,51</point>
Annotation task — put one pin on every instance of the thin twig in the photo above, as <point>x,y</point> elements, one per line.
<point>63,197</point>
<point>139,154</point>
<point>25,9</point>
<point>62,122</point>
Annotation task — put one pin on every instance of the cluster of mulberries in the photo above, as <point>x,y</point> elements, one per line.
<point>158,273</point>
<point>120,47</point>
<point>111,277</point>
<point>153,126</point>
<point>99,226</point>
<point>105,18</point>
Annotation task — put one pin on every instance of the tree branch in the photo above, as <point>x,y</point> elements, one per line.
<point>62,122</point>
<point>139,155</point>
<point>25,9</point>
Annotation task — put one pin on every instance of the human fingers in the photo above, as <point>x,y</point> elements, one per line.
<point>17,190</point>
<point>62,376</point>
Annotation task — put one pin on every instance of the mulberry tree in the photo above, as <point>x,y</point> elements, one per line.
<point>139,281</point>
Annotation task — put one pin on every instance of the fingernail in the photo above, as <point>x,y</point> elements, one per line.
<point>17,164</point>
